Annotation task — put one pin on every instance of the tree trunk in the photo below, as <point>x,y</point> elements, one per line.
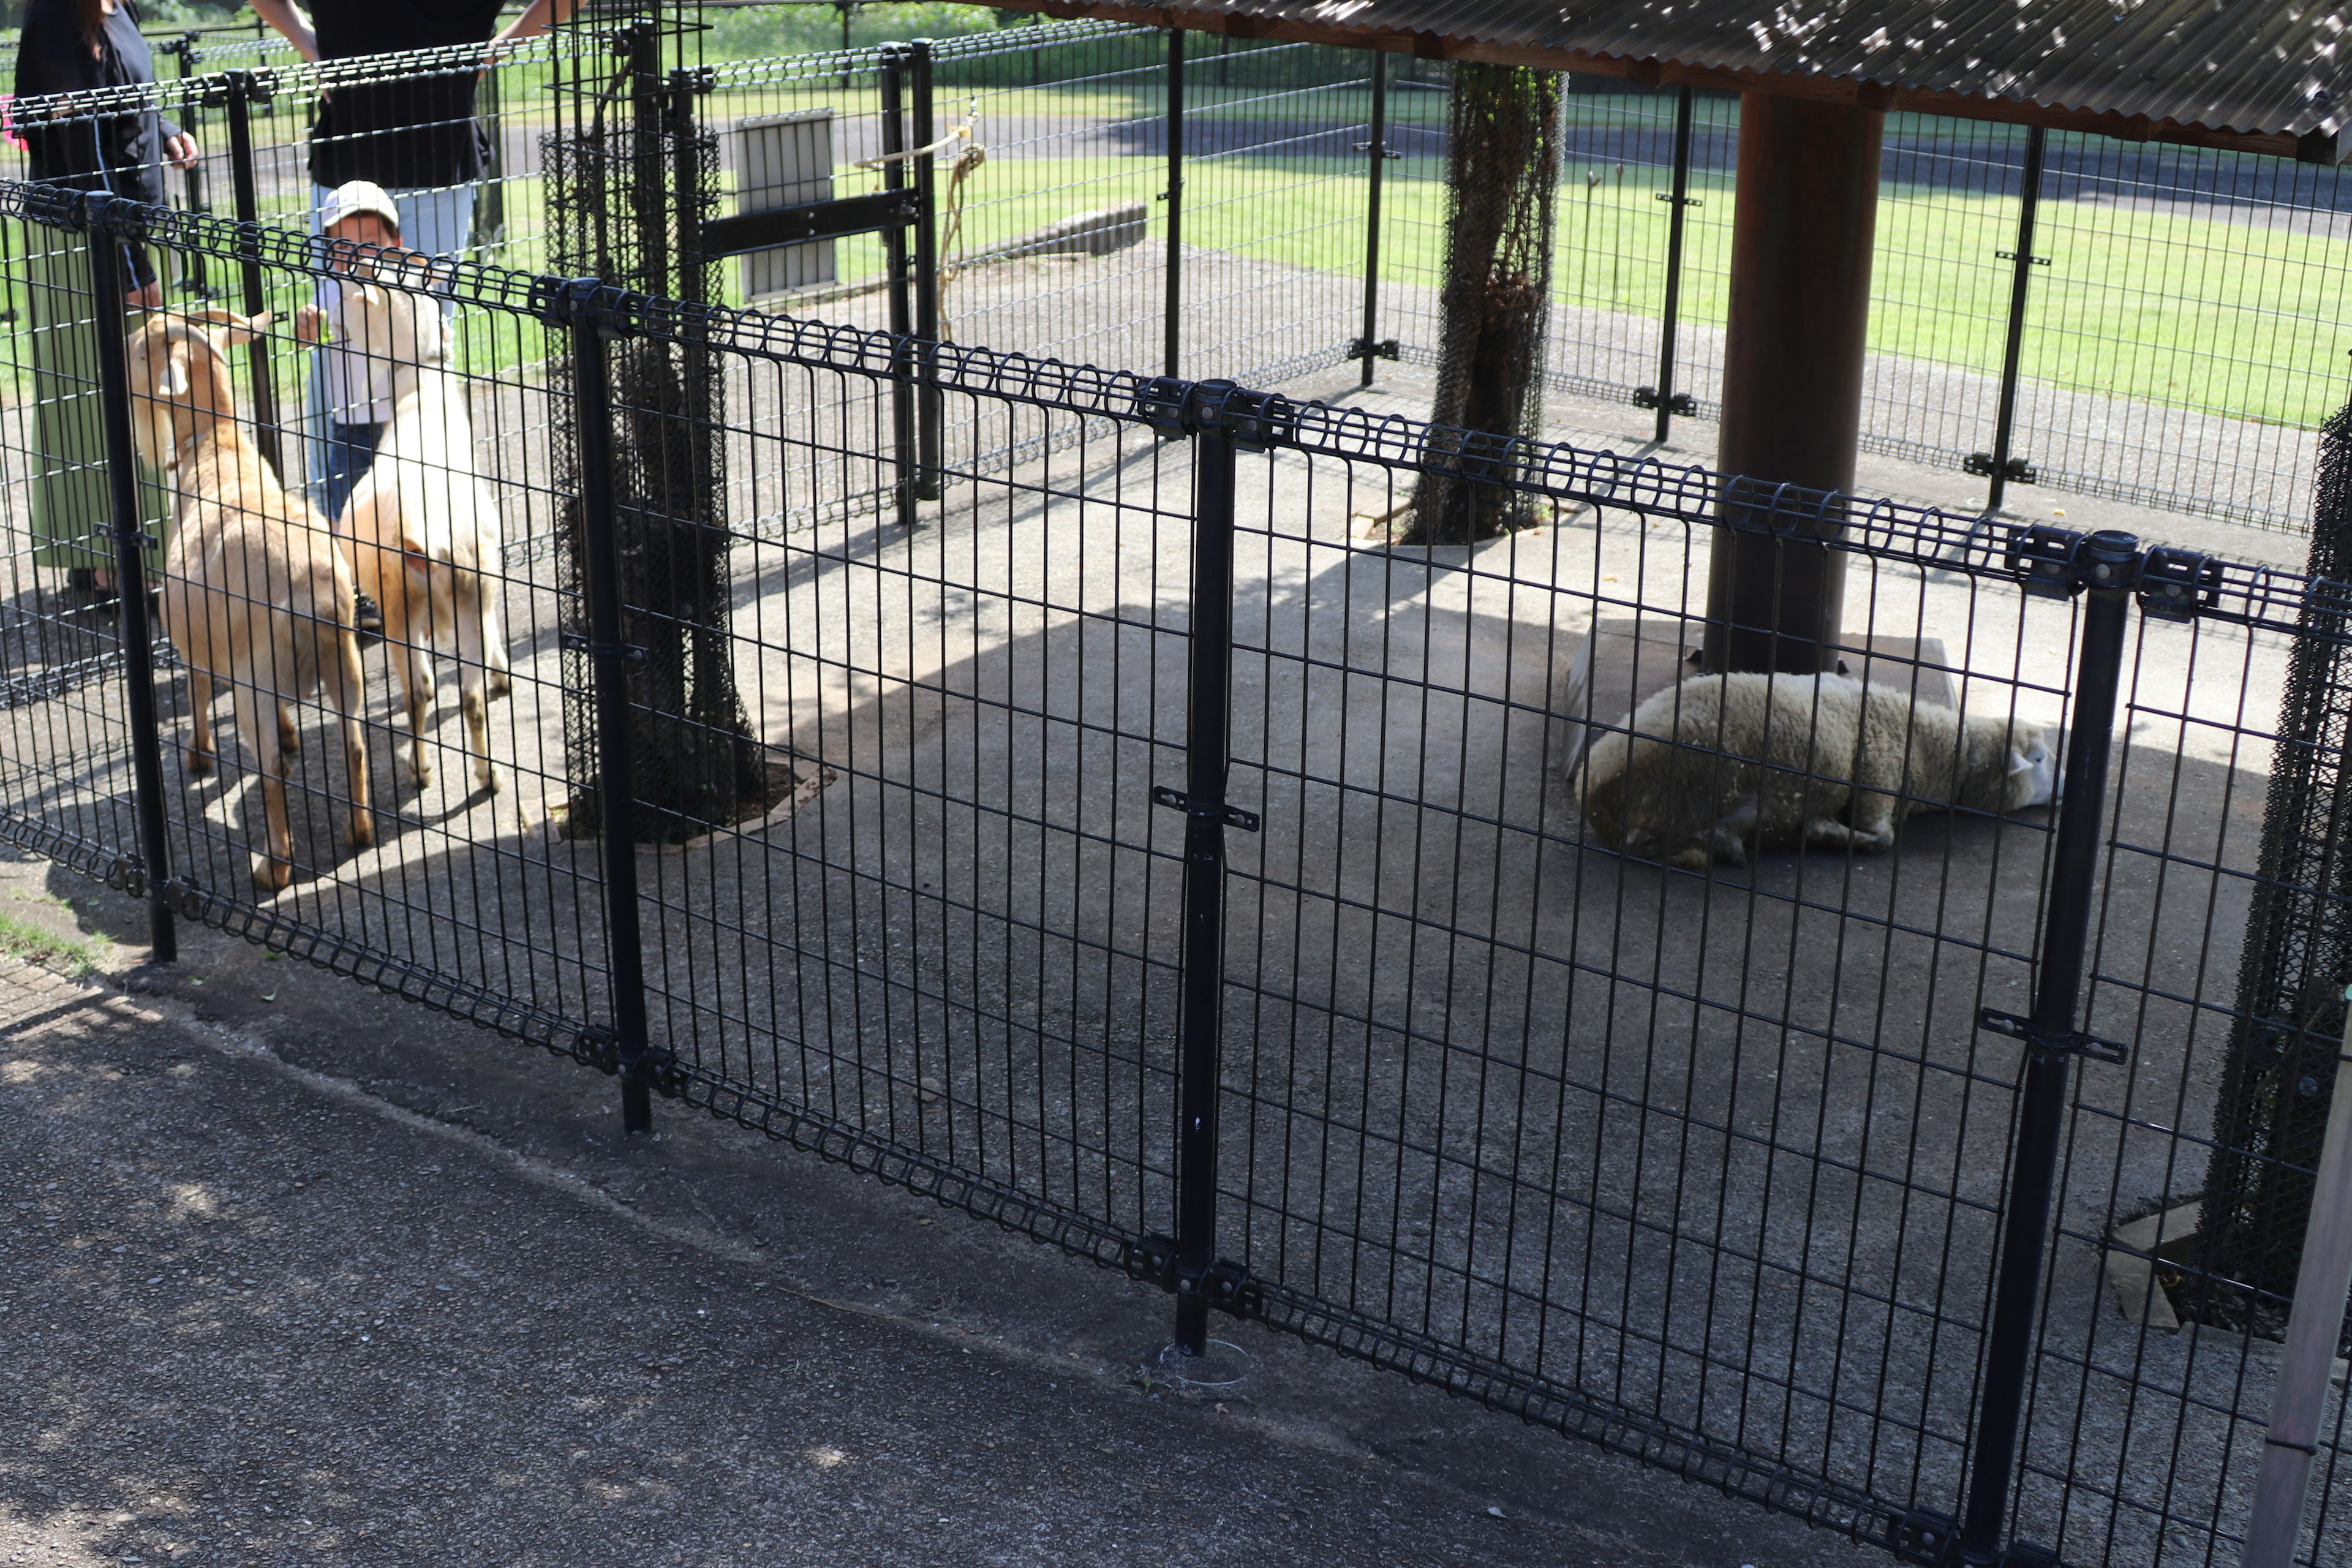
<point>2280,1074</point>
<point>1503,174</point>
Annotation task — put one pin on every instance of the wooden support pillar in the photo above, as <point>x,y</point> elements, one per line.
<point>1792,365</point>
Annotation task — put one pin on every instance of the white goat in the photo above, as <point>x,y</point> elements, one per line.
<point>422,524</point>
<point>1707,768</point>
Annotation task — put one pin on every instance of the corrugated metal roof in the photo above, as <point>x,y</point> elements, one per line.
<point>2249,66</point>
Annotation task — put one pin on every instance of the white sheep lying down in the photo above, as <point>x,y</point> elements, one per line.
<point>1722,765</point>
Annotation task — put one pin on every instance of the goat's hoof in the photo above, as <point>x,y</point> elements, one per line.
<point>362,832</point>
<point>200,763</point>
<point>271,875</point>
<point>488,778</point>
<point>289,740</point>
<point>420,774</point>
<point>501,683</point>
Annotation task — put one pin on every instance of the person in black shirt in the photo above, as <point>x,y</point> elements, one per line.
<point>73,46</point>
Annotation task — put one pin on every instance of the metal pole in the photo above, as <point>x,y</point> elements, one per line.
<point>2300,1394</point>
<point>1679,203</point>
<point>904,456</point>
<point>2105,563</point>
<point>244,89</point>
<point>1209,686</point>
<point>615,791</point>
<point>193,281</point>
<point>110,280</point>
<point>926,275</point>
<point>1175,199</point>
<point>2020,273</point>
<point>1378,148</point>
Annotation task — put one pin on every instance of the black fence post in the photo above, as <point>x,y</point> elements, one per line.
<point>2108,565</point>
<point>1207,741</point>
<point>109,281</point>
<point>192,279</point>
<point>927,432</point>
<point>1376,149</point>
<point>241,90</point>
<point>1174,197</point>
<point>1997,466</point>
<point>589,325</point>
<point>1663,396</point>
<point>904,447</point>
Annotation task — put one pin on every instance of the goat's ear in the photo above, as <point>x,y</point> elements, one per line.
<point>2017,761</point>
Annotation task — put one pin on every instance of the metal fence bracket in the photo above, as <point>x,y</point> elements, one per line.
<point>2061,1043</point>
<point>1231,815</point>
<point>1923,1535</point>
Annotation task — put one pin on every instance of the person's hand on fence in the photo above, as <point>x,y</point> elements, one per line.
<point>180,150</point>
<point>149,298</point>
<point>309,324</point>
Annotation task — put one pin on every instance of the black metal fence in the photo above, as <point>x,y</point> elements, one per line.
<point>1145,860</point>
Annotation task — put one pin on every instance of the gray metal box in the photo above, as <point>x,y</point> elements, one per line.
<point>784,161</point>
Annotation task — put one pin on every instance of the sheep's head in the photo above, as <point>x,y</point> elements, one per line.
<point>2009,765</point>
<point>179,376</point>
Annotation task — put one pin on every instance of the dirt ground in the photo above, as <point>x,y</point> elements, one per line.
<point>291,1272</point>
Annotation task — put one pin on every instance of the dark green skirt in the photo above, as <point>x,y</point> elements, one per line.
<point>72,508</point>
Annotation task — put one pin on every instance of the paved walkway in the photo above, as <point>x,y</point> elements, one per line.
<point>413,1302</point>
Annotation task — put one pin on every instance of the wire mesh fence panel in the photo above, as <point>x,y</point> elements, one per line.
<point>394,810</point>
<point>2183,344</point>
<point>66,755</point>
<point>1274,229</point>
<point>1940,287</point>
<point>1701,1159</point>
<point>937,940</point>
<point>2151,1402</point>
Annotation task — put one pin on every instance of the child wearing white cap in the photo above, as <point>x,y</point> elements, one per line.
<point>357,391</point>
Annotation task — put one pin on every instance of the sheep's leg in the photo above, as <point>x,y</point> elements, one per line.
<point>471,616</point>
<point>200,722</point>
<point>271,871</point>
<point>1873,834</point>
<point>1728,839</point>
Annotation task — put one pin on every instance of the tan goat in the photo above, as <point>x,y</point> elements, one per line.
<point>255,593</point>
<point>422,524</point>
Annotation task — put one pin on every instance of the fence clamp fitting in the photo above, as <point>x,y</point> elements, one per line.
<point>584,301</point>
<point>1230,816</point>
<point>2049,1044</point>
<point>1365,348</point>
<point>1223,1284</point>
<point>1253,420</point>
<point>1682,403</point>
<point>2058,563</point>
<point>2177,585</point>
<point>1924,1535</point>
<point>239,86</point>
<point>581,642</point>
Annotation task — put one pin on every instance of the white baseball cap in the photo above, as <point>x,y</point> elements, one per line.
<point>355,196</point>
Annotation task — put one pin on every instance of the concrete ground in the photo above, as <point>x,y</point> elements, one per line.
<point>291,1272</point>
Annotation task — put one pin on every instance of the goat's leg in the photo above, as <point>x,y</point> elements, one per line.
<point>289,739</point>
<point>472,614</point>
<point>347,689</point>
<point>257,724</point>
<point>200,722</point>
<point>416,666</point>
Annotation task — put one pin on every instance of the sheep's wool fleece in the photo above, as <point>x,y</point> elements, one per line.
<point>1722,765</point>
